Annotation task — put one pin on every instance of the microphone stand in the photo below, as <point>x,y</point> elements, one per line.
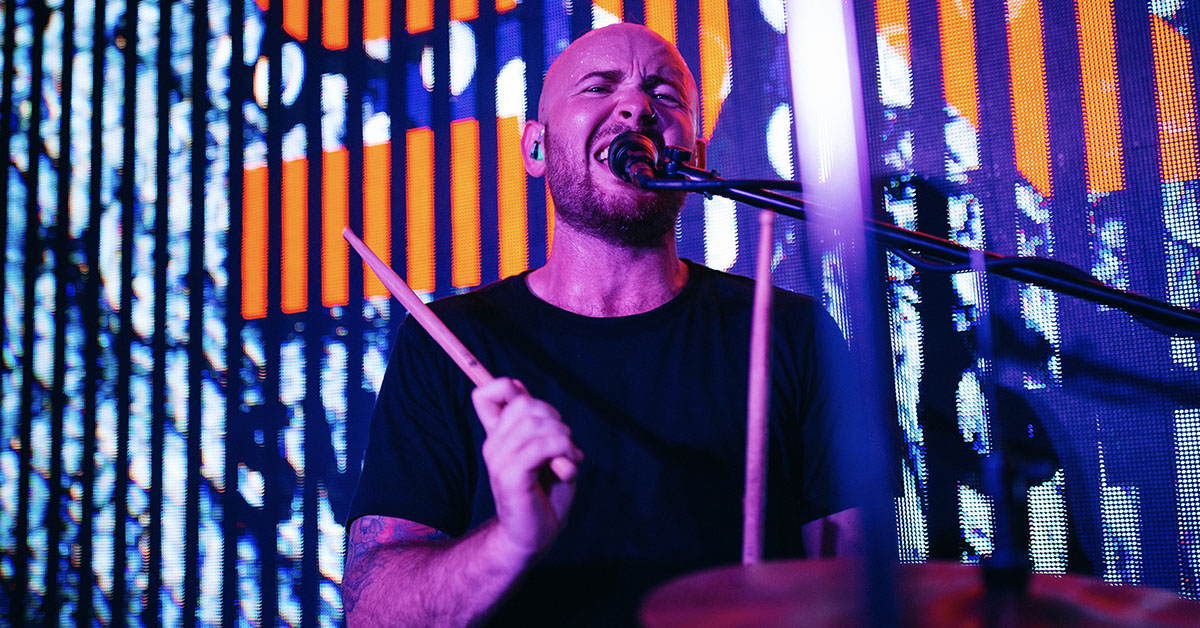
<point>936,253</point>
<point>1006,570</point>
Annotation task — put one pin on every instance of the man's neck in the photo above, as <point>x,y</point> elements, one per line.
<point>595,278</point>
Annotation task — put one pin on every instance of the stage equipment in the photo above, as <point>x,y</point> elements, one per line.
<point>1007,600</point>
<point>825,594</point>
<point>925,251</point>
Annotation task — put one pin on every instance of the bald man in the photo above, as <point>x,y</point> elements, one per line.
<point>616,460</point>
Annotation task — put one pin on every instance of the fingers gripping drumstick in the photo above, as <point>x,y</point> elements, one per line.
<point>563,468</point>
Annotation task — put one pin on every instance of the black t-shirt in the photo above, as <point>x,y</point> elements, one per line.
<point>657,403</point>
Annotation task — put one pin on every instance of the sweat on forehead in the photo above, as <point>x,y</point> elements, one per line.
<point>616,43</point>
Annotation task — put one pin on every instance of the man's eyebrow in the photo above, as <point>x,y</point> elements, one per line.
<point>651,80</point>
<point>608,75</point>
<point>654,80</point>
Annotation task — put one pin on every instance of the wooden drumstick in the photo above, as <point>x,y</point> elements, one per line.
<point>754,500</point>
<point>563,468</point>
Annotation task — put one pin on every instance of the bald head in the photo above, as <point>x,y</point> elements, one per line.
<point>628,48</point>
<point>614,79</point>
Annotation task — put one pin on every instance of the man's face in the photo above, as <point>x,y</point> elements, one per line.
<point>612,80</point>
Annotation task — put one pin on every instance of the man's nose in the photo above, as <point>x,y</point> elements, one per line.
<point>635,106</point>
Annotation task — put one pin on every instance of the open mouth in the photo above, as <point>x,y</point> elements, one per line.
<point>602,155</point>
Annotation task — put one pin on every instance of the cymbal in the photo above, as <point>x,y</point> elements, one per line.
<point>828,593</point>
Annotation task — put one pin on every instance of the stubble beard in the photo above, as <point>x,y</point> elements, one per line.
<point>635,220</point>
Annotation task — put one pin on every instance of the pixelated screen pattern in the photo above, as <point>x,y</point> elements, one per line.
<point>1052,129</point>
<point>190,350</point>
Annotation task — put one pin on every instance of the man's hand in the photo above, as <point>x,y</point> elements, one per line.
<point>531,464</point>
<point>402,573</point>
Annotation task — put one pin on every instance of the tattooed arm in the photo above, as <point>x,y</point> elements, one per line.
<point>401,573</point>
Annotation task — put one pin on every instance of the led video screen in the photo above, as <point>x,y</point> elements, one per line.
<point>191,352</point>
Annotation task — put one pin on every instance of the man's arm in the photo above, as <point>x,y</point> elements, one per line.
<point>839,534</point>
<point>401,573</point>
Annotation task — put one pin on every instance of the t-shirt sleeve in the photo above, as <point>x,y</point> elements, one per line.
<point>830,432</point>
<point>413,466</point>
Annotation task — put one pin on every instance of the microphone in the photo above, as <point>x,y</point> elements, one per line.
<point>633,157</point>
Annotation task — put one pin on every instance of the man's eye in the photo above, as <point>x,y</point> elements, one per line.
<point>596,89</point>
<point>666,97</point>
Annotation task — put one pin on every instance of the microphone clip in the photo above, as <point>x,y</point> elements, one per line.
<point>674,157</point>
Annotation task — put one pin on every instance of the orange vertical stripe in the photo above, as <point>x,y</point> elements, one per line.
<point>1101,98</point>
<point>616,7</point>
<point>513,221</point>
<point>377,211</point>
<point>1031,133</point>
<point>377,19</point>
<point>295,18</point>
<point>549,222</point>
<point>956,19</point>
<point>503,6</point>
<point>418,16</point>
<point>294,261</point>
<point>660,18</point>
<point>463,10</point>
<point>254,242</point>
<point>464,203</point>
<point>891,23</point>
<point>335,215</point>
<point>335,24</point>
<point>716,66</point>
<point>263,5</point>
<point>1175,89</point>
<point>419,181</point>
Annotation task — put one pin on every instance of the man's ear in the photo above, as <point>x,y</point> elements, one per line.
<point>533,148</point>
<point>699,155</point>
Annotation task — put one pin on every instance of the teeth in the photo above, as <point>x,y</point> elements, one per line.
<point>603,155</point>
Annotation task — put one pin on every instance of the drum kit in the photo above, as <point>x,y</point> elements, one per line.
<point>828,593</point>
<point>833,593</point>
